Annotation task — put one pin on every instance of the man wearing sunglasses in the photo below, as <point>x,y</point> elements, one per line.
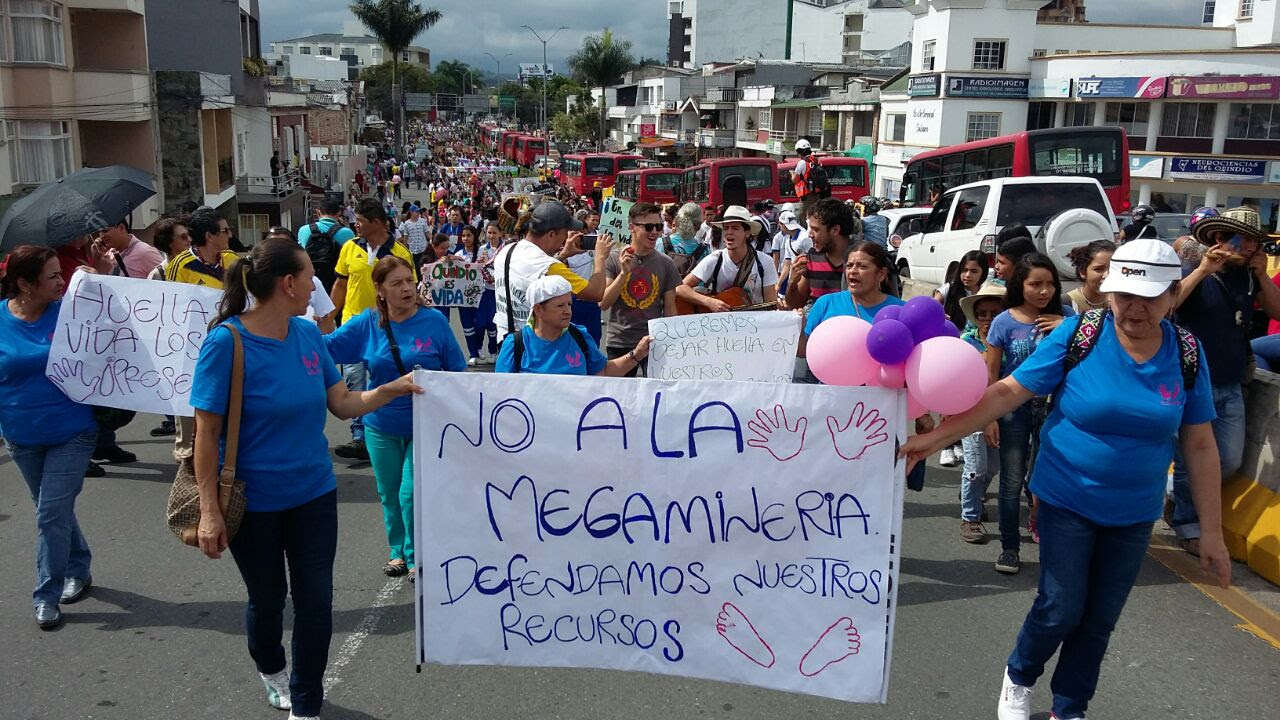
<point>641,285</point>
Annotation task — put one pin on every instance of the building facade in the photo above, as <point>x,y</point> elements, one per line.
<point>353,45</point>
<point>1196,101</point>
<point>820,31</point>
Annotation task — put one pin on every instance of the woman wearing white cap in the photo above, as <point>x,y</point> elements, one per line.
<point>552,345</point>
<point>1135,382</point>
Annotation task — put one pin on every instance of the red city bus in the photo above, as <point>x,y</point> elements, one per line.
<point>848,176</point>
<point>1101,153</point>
<point>506,140</point>
<point>704,183</point>
<point>528,149</point>
<point>581,171</point>
<point>651,185</point>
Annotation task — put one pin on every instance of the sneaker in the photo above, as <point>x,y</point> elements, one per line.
<point>114,454</point>
<point>167,428</point>
<point>278,689</point>
<point>472,362</point>
<point>1015,700</point>
<point>972,532</point>
<point>354,450</point>
<point>948,457</point>
<point>1009,564</point>
<point>94,470</point>
<point>303,717</point>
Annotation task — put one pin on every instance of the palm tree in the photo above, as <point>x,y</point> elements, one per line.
<point>601,62</point>
<point>396,23</point>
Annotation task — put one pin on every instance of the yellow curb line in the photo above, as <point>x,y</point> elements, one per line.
<point>1258,619</point>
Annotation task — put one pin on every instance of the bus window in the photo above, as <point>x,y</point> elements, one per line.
<point>661,181</point>
<point>628,163</point>
<point>1095,155</point>
<point>908,194</point>
<point>599,166</point>
<point>785,187</point>
<point>571,166</point>
<point>953,170</point>
<point>975,165</point>
<point>1000,161</point>
<point>846,174</point>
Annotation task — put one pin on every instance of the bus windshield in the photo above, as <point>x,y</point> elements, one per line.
<point>599,166</point>
<point>627,163</point>
<point>755,176</point>
<point>846,175</point>
<point>1093,155</point>
<point>661,181</point>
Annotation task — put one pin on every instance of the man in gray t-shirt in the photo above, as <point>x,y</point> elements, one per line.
<point>641,283</point>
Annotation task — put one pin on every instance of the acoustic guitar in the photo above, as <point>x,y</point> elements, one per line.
<point>735,297</point>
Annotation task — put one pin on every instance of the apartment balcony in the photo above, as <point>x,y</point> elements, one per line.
<point>717,138</point>
<point>722,94</point>
<point>269,189</point>
<point>121,95</point>
<point>783,136</point>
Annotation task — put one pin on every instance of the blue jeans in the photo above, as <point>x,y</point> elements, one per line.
<point>1015,453</point>
<point>306,538</point>
<point>981,462</point>
<point>1086,573</point>
<point>587,314</point>
<point>1228,432</point>
<point>54,476</point>
<point>1266,350</point>
<point>356,376</point>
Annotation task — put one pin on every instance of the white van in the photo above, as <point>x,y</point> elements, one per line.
<point>1062,214</point>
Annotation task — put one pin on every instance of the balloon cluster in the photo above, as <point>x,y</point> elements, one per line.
<point>913,345</point>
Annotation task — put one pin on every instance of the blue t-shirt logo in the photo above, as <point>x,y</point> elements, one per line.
<point>312,364</point>
<point>1171,398</point>
<point>420,346</point>
<point>574,359</point>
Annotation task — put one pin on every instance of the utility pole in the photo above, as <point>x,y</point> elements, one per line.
<point>497,87</point>
<point>544,72</point>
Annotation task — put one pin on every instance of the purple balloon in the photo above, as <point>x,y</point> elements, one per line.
<point>949,329</point>
<point>890,313</point>
<point>890,342</point>
<point>932,331</point>
<point>922,315</point>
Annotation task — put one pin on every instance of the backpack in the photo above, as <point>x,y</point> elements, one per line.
<point>818,181</point>
<point>323,251</point>
<point>517,349</point>
<point>1085,337</point>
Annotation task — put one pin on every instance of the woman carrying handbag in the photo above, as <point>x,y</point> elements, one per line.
<point>289,486</point>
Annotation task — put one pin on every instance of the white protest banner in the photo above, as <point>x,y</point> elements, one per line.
<point>615,218</point>
<point>721,530</point>
<point>753,346</point>
<point>130,343</point>
<point>456,284</point>
<point>524,186</point>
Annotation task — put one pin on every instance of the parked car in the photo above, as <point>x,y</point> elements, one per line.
<point>900,222</point>
<point>1062,214</point>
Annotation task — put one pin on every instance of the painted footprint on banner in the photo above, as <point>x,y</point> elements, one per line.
<point>862,431</point>
<point>773,433</point>
<point>738,631</point>
<point>837,642</point>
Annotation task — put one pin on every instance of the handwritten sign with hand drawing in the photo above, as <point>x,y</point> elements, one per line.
<point>705,530</point>
<point>456,284</point>
<point>130,343</point>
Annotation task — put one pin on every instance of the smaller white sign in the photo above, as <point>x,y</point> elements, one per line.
<point>615,218</point>
<point>1146,167</point>
<point>750,346</point>
<point>1049,88</point>
<point>456,284</point>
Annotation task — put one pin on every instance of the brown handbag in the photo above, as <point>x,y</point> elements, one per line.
<point>183,509</point>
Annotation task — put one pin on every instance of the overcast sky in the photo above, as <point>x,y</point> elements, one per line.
<point>470,28</point>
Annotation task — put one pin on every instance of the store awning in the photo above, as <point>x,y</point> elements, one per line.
<point>655,144</point>
<point>796,104</point>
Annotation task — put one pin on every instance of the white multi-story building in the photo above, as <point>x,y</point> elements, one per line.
<point>818,31</point>
<point>1200,104</point>
<point>354,43</point>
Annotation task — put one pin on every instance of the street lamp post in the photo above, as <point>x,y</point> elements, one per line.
<point>544,71</point>
<point>498,84</point>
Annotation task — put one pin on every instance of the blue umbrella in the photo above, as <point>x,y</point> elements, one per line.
<point>79,204</point>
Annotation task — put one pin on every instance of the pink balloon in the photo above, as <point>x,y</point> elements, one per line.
<point>915,408</point>
<point>946,375</point>
<point>893,377</point>
<point>837,352</point>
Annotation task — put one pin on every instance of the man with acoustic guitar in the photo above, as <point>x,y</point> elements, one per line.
<point>734,277</point>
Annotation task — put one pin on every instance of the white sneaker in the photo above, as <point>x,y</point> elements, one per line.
<point>486,357</point>
<point>1015,700</point>
<point>303,717</point>
<point>471,362</point>
<point>278,689</point>
<point>948,457</point>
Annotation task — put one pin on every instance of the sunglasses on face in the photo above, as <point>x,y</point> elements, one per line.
<point>649,227</point>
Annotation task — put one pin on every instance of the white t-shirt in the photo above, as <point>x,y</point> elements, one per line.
<point>729,273</point>
<point>528,263</point>
<point>792,249</point>
<point>415,234</point>
<point>582,264</point>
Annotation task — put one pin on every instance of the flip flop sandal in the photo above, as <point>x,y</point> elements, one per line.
<point>394,569</point>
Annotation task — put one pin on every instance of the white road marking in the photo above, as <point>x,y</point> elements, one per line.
<point>367,625</point>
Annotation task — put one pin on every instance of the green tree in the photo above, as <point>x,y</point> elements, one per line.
<point>643,61</point>
<point>600,62</point>
<point>396,23</point>
<point>452,76</point>
<point>579,123</point>
<point>377,86</point>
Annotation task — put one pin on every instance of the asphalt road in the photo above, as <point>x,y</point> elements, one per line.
<point>161,634</point>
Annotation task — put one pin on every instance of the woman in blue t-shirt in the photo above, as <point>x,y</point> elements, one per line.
<point>49,437</point>
<point>553,345</point>
<point>1108,443</point>
<point>391,340</point>
<point>867,273</point>
<point>1033,308</point>
<point>292,514</point>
